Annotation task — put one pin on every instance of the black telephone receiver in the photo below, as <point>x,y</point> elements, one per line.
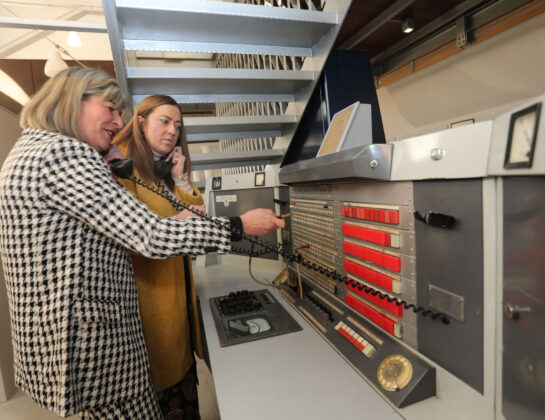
<point>161,167</point>
<point>124,169</point>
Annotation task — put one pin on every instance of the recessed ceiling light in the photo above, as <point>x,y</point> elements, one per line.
<point>407,25</point>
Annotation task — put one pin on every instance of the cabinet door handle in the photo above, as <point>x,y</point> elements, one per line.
<point>515,311</point>
<point>433,218</point>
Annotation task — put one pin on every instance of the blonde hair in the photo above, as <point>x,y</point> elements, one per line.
<point>56,106</point>
<point>138,148</point>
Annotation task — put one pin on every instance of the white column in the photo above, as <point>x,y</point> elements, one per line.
<point>9,125</point>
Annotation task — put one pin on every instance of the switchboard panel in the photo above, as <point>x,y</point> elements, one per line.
<point>372,242</point>
<point>396,267</point>
<point>368,232</point>
<point>421,263</point>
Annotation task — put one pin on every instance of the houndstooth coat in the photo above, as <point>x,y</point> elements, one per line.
<point>66,229</point>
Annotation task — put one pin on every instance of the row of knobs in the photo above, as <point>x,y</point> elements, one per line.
<point>238,302</point>
<point>321,307</point>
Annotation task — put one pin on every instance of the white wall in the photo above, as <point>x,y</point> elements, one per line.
<point>9,127</point>
<point>480,82</point>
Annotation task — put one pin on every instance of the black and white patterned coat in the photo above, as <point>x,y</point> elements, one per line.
<point>66,229</point>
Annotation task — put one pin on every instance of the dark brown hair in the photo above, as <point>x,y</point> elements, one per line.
<point>139,150</point>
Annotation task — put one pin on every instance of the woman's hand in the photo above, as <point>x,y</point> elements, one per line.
<point>259,222</point>
<point>186,213</point>
<point>113,153</point>
<point>178,162</point>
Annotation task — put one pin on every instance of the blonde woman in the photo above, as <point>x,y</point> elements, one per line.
<point>66,230</point>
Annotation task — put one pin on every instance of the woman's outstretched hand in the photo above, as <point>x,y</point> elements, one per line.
<point>259,222</point>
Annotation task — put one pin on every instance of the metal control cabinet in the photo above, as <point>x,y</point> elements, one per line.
<point>449,273</point>
<point>452,222</point>
<point>517,160</point>
<point>367,232</point>
<point>523,356</point>
<point>233,195</point>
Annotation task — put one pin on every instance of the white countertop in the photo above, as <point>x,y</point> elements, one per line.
<point>291,376</point>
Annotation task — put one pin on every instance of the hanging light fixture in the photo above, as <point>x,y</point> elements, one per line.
<point>73,39</point>
<point>407,25</point>
<point>54,64</point>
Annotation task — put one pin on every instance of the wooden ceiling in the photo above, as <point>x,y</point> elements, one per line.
<point>362,13</point>
<point>375,26</point>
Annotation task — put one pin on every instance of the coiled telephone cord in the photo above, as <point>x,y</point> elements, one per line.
<point>296,258</point>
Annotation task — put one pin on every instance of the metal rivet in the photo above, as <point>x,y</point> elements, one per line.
<point>438,154</point>
<point>373,164</point>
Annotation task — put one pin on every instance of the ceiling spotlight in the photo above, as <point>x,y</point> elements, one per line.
<point>73,39</point>
<point>407,25</point>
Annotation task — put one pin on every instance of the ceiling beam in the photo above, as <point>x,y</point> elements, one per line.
<point>445,19</point>
<point>376,23</point>
<point>476,18</point>
<point>30,37</point>
<point>52,25</point>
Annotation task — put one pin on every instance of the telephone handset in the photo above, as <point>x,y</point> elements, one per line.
<point>161,167</point>
<point>124,169</point>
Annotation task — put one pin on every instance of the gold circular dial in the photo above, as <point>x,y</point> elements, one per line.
<point>394,372</point>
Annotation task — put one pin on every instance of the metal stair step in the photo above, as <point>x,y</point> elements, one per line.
<point>214,47</point>
<point>213,26</point>
<point>213,98</point>
<point>219,128</point>
<point>235,159</point>
<point>207,81</point>
<point>141,31</point>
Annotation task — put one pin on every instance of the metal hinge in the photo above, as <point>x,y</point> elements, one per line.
<point>463,38</point>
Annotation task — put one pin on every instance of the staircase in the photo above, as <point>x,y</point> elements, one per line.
<point>256,66</point>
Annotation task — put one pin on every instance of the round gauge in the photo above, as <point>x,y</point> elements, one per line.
<point>522,139</point>
<point>394,372</point>
<point>522,136</point>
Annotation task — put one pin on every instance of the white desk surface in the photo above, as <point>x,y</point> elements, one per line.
<point>291,376</point>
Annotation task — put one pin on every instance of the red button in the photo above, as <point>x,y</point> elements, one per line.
<point>383,303</point>
<point>384,260</point>
<point>370,235</point>
<point>394,217</point>
<point>367,274</point>
<point>373,315</point>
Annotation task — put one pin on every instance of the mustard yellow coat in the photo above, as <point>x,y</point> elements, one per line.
<point>162,299</point>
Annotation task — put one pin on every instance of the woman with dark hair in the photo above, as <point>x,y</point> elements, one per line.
<point>153,136</point>
<point>66,233</point>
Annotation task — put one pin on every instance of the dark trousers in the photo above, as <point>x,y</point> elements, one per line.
<point>180,401</point>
